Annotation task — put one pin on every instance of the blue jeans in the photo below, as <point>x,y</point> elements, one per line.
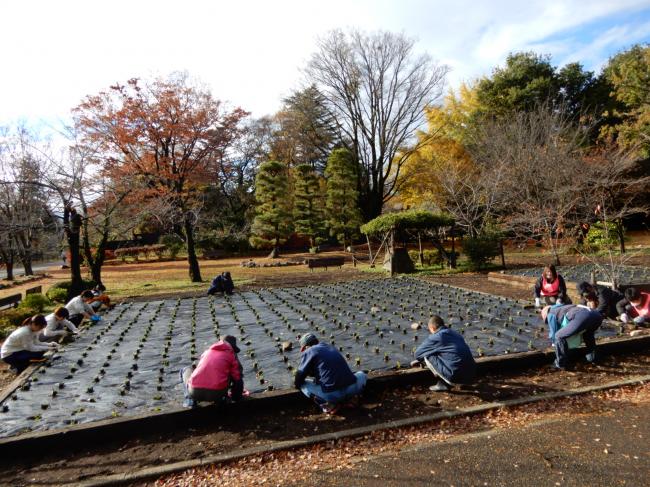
<point>574,328</point>
<point>309,388</point>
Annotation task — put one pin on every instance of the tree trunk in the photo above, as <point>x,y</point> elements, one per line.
<point>72,225</point>
<point>192,260</point>
<point>420,253</point>
<point>453,248</point>
<point>620,231</point>
<point>10,271</point>
<point>503,254</point>
<point>26,260</point>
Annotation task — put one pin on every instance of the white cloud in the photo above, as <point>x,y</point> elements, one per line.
<point>250,52</point>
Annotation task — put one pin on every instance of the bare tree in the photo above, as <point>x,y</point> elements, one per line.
<point>538,156</point>
<point>376,89</point>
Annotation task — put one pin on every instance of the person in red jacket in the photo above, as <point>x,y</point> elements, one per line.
<point>635,307</point>
<point>218,371</point>
<point>550,288</point>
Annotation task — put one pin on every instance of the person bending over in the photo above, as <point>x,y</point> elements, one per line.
<point>333,382</point>
<point>635,307</point>
<point>446,355</point>
<point>550,288</point>
<point>22,347</point>
<point>79,308</point>
<point>57,326</point>
<point>100,298</point>
<point>608,298</point>
<point>221,284</point>
<point>574,321</point>
<point>217,372</point>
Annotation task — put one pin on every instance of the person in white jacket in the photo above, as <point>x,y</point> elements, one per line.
<point>79,307</point>
<point>23,347</point>
<point>57,326</point>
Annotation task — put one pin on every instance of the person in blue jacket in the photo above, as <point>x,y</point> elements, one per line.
<point>447,355</point>
<point>576,320</point>
<point>333,382</point>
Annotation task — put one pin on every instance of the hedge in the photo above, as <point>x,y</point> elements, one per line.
<point>407,220</point>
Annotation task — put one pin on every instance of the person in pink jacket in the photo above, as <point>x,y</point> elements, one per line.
<point>218,371</point>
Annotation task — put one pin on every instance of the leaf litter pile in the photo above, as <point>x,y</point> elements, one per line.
<point>283,468</point>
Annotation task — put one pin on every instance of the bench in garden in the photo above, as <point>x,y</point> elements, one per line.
<point>325,262</point>
<point>10,301</point>
<point>34,290</point>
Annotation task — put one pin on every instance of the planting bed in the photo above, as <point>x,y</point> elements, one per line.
<point>582,272</point>
<point>128,363</point>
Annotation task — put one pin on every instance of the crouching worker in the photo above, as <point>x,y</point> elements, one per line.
<point>218,371</point>
<point>635,307</point>
<point>100,298</point>
<point>58,326</point>
<point>550,288</point>
<point>221,284</point>
<point>447,355</point>
<point>333,383</point>
<point>22,347</point>
<point>608,298</point>
<point>79,308</point>
<point>574,321</point>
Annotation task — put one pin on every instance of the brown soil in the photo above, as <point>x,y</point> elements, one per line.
<point>233,433</point>
<point>479,282</point>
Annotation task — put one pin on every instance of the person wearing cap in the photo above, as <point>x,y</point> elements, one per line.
<point>332,383</point>
<point>217,372</point>
<point>574,321</point>
<point>446,355</point>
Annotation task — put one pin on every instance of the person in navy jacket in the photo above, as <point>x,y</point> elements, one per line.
<point>447,355</point>
<point>333,382</point>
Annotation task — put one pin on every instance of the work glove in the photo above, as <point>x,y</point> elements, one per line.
<point>559,302</point>
<point>625,318</point>
<point>415,363</point>
<point>639,320</point>
<point>538,303</point>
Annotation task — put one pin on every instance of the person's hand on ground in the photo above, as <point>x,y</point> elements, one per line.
<point>559,301</point>
<point>538,303</point>
<point>625,318</point>
<point>415,363</point>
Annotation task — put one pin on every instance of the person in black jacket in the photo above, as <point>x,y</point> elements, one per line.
<point>607,298</point>
<point>550,288</point>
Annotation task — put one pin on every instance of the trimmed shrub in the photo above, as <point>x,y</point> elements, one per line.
<point>57,295</point>
<point>12,318</point>
<point>602,236</point>
<point>173,244</point>
<point>65,285</point>
<point>35,301</point>
<point>481,250</point>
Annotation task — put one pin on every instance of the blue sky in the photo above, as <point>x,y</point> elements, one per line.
<point>250,52</point>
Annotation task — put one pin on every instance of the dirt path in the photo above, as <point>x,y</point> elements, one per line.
<point>231,433</point>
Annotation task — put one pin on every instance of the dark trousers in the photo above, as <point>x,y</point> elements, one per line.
<point>20,360</point>
<point>574,328</point>
<point>76,319</point>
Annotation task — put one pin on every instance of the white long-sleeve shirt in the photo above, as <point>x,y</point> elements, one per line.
<point>77,306</point>
<point>57,328</point>
<point>22,338</point>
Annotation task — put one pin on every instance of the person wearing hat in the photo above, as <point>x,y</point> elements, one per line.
<point>446,355</point>
<point>332,383</point>
<point>218,371</point>
<point>574,321</point>
<point>607,298</point>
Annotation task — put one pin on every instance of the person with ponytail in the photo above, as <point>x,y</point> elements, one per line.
<point>23,347</point>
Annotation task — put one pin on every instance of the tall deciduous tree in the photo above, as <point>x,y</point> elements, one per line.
<point>272,224</point>
<point>376,87</point>
<point>166,132</point>
<point>308,204</point>
<point>343,216</point>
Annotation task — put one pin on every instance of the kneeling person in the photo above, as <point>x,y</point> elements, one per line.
<point>57,325</point>
<point>447,355</point>
<point>79,308</point>
<point>218,371</point>
<point>333,382</point>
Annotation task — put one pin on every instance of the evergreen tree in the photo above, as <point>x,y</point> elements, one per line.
<point>308,211</point>
<point>343,216</point>
<point>272,224</point>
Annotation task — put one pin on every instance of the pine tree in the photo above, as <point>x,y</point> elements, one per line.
<point>343,216</point>
<point>308,204</point>
<point>272,224</point>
